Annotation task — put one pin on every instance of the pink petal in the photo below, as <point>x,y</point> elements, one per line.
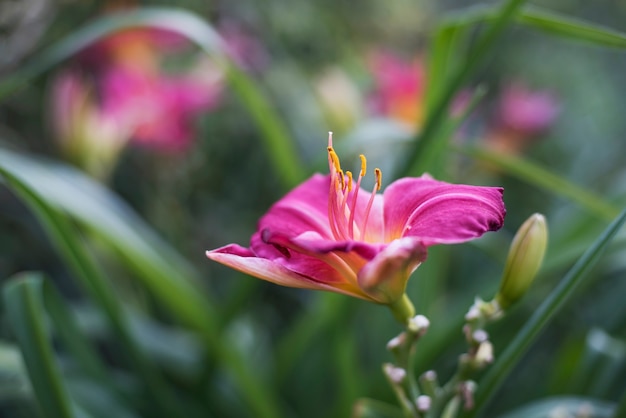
<point>385,277</point>
<point>303,209</point>
<point>322,267</point>
<point>439,212</point>
<point>244,260</point>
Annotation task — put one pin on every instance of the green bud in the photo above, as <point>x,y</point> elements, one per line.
<point>524,260</point>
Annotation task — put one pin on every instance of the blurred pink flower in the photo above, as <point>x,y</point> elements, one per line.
<point>159,109</point>
<point>329,234</point>
<point>527,111</point>
<point>87,136</point>
<point>399,87</point>
<point>133,96</point>
<point>522,115</point>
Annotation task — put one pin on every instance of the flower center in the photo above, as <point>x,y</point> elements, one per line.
<point>345,222</point>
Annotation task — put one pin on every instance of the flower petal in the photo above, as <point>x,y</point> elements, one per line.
<point>385,277</point>
<point>244,260</point>
<point>303,209</point>
<point>439,212</point>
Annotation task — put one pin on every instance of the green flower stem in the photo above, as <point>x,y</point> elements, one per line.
<point>542,316</point>
<point>408,407</point>
<point>403,349</point>
<point>403,309</point>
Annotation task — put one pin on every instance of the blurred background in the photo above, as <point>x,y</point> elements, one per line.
<point>158,152</point>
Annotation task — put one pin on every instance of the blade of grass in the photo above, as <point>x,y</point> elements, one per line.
<point>620,410</point>
<point>162,270</point>
<point>69,246</point>
<point>63,235</point>
<point>73,339</point>
<point>280,149</point>
<point>24,307</point>
<point>572,28</point>
<point>546,20</point>
<point>540,177</point>
<point>417,162</point>
<point>503,365</point>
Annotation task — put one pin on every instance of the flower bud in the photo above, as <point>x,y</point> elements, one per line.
<point>524,259</point>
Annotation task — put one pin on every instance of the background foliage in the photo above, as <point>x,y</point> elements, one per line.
<point>110,307</point>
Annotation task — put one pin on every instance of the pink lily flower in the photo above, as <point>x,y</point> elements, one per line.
<point>330,234</point>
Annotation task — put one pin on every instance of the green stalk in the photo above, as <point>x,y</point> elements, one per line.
<point>24,308</point>
<point>494,378</point>
<point>417,162</point>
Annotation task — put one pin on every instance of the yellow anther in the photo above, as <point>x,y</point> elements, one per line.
<point>334,158</point>
<point>349,181</point>
<point>363,165</point>
<point>379,178</point>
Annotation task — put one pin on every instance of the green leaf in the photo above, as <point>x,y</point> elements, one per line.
<point>370,408</point>
<point>540,177</point>
<point>545,20</point>
<point>38,183</point>
<point>418,161</point>
<point>566,406</point>
<point>572,28</point>
<point>24,308</point>
<point>278,144</point>
<point>160,267</point>
<point>69,245</point>
<point>505,362</point>
<point>72,337</point>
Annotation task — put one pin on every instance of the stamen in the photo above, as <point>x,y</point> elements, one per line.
<point>379,178</point>
<point>334,158</point>
<point>363,165</point>
<point>349,181</point>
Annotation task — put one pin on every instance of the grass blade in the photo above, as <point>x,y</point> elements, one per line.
<point>545,20</point>
<point>193,311</point>
<point>66,241</point>
<point>572,28</point>
<point>24,308</point>
<point>417,162</point>
<point>496,375</point>
<point>540,177</point>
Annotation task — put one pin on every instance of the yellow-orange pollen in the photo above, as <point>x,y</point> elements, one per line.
<point>343,198</point>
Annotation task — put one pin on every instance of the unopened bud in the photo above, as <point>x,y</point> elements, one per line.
<point>524,259</point>
<point>423,403</point>
<point>396,342</point>
<point>484,355</point>
<point>395,374</point>
<point>418,325</point>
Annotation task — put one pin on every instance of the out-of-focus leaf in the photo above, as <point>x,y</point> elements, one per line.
<point>97,400</point>
<point>181,297</point>
<point>602,363</point>
<point>546,20</point>
<point>565,406</point>
<point>370,408</point>
<point>24,307</point>
<point>161,269</point>
<point>66,240</point>
<point>70,334</point>
<point>539,176</point>
<point>14,381</point>
<point>418,161</point>
<point>280,149</point>
<point>545,312</point>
